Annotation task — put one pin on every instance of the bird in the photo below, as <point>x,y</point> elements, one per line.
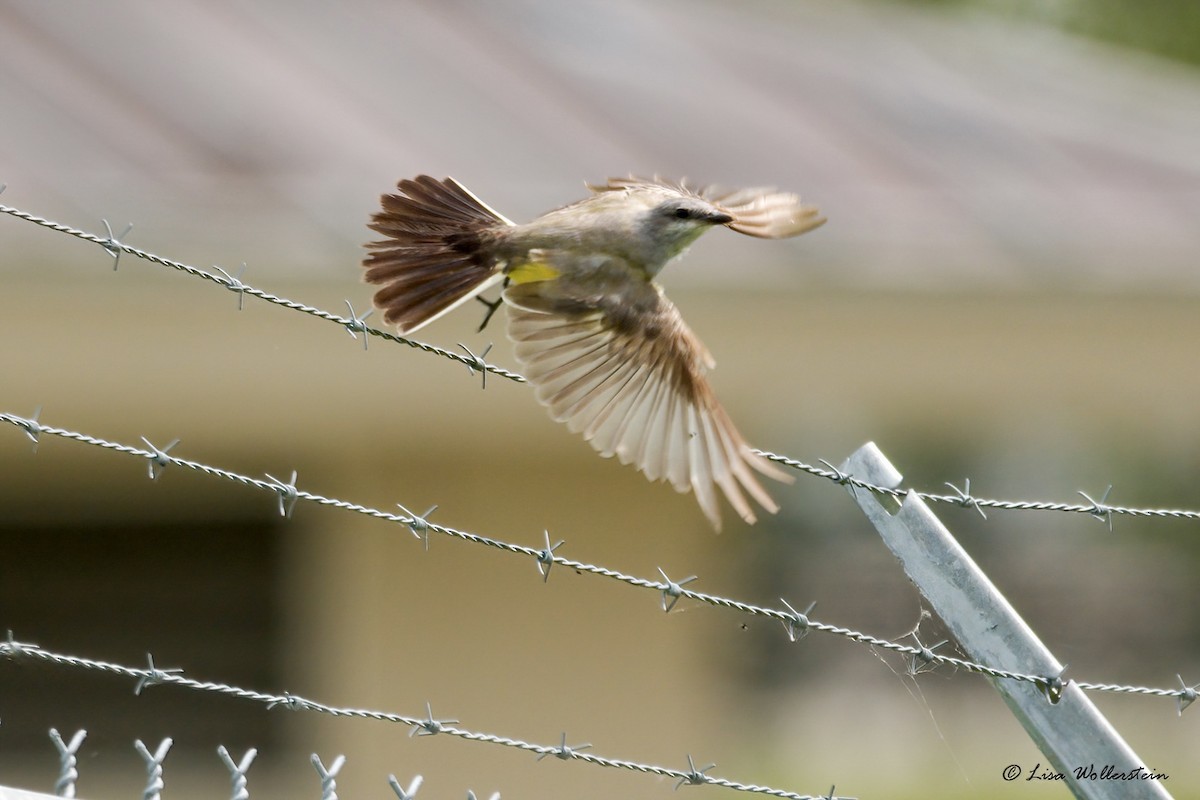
<point>605,350</point>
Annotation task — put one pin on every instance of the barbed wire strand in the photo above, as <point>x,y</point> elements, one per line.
<point>797,624</point>
<point>355,324</point>
<point>421,726</point>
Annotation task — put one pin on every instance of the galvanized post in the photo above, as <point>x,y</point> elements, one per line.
<point>1074,736</point>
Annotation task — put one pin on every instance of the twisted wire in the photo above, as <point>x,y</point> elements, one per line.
<point>421,527</point>
<point>153,676</point>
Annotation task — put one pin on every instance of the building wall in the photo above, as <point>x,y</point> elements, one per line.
<point>364,616</point>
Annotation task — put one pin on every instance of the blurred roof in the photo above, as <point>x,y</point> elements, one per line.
<point>948,151</point>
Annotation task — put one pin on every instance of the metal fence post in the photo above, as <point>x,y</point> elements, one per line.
<point>1073,735</point>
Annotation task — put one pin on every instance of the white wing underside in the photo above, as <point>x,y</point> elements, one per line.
<point>643,399</point>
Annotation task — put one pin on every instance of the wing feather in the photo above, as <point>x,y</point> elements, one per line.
<point>609,425</point>
<point>651,452</point>
<point>634,385</point>
<point>766,212</point>
<point>701,470</point>
<point>675,461</point>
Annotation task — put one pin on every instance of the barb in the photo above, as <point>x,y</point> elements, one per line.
<point>545,559</point>
<point>430,726</point>
<point>565,751</point>
<point>923,660</point>
<point>154,676</point>
<point>670,591</point>
<point>673,590</point>
<point>359,325</point>
<point>112,244</point>
<point>15,649</point>
<point>32,428</point>
<point>797,624</point>
<point>287,494</point>
<point>234,284</point>
<point>475,363</point>
<point>693,776</point>
<point>160,460</point>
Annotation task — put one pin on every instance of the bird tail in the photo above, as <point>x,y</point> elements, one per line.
<point>437,253</point>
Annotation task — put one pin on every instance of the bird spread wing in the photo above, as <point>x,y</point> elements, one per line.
<point>762,211</point>
<point>631,378</point>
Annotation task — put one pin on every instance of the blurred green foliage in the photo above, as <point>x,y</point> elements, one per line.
<point>1168,28</point>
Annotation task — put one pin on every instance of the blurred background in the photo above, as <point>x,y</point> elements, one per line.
<point>1006,290</point>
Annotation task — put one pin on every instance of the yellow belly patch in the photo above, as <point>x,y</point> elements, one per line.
<point>531,272</point>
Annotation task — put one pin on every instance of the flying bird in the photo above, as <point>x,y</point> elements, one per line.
<point>606,351</point>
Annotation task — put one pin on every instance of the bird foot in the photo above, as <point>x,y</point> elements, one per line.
<point>492,306</point>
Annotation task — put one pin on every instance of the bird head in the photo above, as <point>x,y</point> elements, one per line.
<point>668,216</point>
<point>685,213</point>
<point>670,222</point>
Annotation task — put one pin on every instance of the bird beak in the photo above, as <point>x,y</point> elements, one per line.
<point>720,218</point>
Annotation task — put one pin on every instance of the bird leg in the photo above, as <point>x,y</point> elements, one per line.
<point>492,307</point>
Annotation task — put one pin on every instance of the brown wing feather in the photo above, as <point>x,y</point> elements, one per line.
<point>637,390</point>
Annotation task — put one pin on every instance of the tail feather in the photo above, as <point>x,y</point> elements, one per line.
<point>436,254</point>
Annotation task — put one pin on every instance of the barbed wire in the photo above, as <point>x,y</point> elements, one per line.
<point>796,624</point>
<point>428,725</point>
<point>356,324</point>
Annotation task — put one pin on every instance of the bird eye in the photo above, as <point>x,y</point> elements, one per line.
<point>683,213</point>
